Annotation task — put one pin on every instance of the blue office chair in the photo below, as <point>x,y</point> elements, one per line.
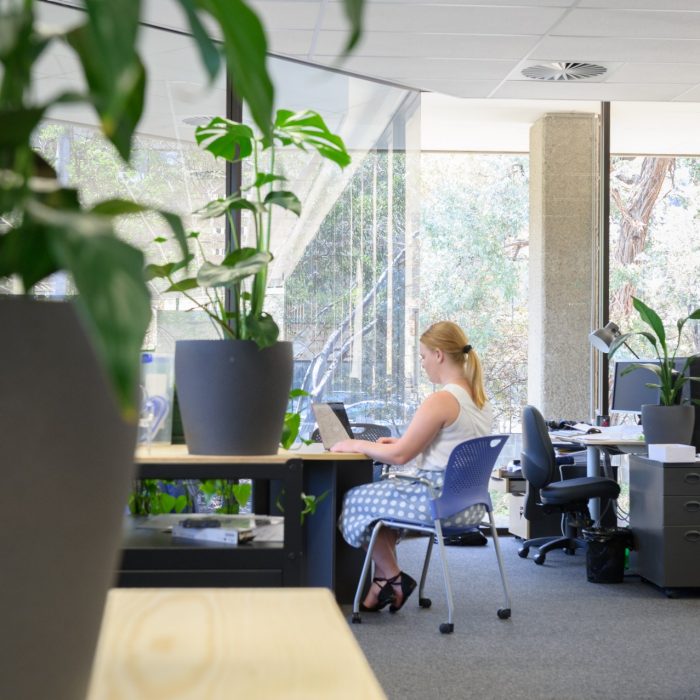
<point>466,484</point>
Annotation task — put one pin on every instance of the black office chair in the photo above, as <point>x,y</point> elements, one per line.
<point>546,491</point>
<point>361,431</point>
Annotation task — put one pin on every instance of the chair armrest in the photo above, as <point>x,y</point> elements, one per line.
<point>564,459</point>
<point>415,480</point>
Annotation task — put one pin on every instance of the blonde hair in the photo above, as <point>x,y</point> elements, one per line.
<point>452,340</point>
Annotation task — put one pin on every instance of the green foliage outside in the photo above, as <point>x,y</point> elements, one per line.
<point>665,274</point>
<point>474,264</point>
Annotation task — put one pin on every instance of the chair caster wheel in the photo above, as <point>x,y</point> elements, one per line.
<point>523,552</point>
<point>447,628</point>
<point>539,559</point>
<point>356,619</point>
<point>503,613</point>
<point>425,602</point>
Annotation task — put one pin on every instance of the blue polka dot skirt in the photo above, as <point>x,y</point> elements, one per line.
<point>394,498</point>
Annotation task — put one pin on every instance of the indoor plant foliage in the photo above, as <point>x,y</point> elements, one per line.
<point>244,270</point>
<point>670,421</point>
<point>233,392</point>
<point>671,378</point>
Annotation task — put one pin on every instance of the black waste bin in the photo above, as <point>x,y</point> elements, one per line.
<point>605,553</point>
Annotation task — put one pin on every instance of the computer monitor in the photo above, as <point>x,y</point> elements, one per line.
<point>629,390</point>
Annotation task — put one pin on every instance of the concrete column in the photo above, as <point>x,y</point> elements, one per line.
<point>563,234</point>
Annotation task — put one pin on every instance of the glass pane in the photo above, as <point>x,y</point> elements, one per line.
<point>167,169</point>
<point>339,286</point>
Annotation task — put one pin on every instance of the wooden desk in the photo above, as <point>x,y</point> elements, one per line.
<point>216,644</point>
<point>324,557</point>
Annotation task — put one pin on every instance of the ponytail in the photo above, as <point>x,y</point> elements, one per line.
<point>451,339</point>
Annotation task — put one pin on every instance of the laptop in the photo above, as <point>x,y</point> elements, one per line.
<point>333,423</point>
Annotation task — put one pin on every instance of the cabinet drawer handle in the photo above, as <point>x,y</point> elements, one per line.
<point>692,536</point>
<point>691,478</point>
<point>692,506</point>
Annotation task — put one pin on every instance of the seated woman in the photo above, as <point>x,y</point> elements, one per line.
<point>446,418</point>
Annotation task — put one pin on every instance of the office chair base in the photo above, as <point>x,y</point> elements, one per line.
<point>503,613</point>
<point>447,628</point>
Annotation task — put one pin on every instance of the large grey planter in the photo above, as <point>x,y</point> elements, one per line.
<point>232,395</point>
<point>668,424</point>
<point>67,466</point>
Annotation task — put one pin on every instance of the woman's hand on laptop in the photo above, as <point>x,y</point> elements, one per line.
<point>387,440</point>
<point>346,446</point>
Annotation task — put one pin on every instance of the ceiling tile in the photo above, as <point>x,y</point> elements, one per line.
<point>640,4</point>
<point>457,88</point>
<point>454,18</point>
<point>610,49</point>
<point>588,91</point>
<point>283,14</point>
<point>291,43</point>
<point>630,23</point>
<point>691,95</point>
<point>439,68</point>
<point>429,45</point>
<point>656,73</point>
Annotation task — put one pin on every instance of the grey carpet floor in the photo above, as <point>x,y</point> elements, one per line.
<point>567,638</point>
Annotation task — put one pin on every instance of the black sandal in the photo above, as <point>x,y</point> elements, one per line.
<point>385,597</point>
<point>407,584</point>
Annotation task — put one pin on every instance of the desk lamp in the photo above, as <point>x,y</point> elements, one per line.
<point>603,338</point>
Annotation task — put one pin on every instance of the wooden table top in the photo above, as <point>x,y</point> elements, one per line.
<point>178,454</point>
<point>211,644</point>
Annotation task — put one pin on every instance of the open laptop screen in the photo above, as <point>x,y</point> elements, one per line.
<point>330,426</point>
<point>339,410</point>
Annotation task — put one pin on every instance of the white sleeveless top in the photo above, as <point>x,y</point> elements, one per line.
<point>471,422</point>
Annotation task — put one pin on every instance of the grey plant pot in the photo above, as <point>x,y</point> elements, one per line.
<point>67,466</point>
<point>668,424</point>
<point>232,395</point>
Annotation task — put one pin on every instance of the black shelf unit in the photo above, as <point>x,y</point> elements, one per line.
<point>152,558</point>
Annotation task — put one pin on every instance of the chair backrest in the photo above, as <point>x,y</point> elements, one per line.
<point>467,475</point>
<point>370,431</point>
<point>361,431</point>
<point>537,460</point>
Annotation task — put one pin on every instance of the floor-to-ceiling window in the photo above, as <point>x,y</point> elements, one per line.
<point>654,251</point>
<point>342,283</point>
<point>167,169</point>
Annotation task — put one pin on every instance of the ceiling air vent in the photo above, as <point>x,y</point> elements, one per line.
<point>197,121</point>
<point>563,70</point>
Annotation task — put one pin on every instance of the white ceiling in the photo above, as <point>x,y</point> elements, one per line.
<point>456,48</point>
<point>477,48</point>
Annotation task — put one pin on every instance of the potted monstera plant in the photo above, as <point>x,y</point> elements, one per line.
<point>233,392</point>
<point>672,420</point>
<point>69,370</point>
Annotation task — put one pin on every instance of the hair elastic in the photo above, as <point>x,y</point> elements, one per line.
<point>466,349</point>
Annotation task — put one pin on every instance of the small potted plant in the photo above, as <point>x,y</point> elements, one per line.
<point>233,391</point>
<point>671,421</point>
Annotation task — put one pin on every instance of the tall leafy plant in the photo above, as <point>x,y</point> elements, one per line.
<point>244,270</point>
<point>670,380</point>
<point>44,227</point>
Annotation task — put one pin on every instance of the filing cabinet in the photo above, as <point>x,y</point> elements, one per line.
<point>665,521</point>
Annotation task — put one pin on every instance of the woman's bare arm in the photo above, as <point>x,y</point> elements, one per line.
<point>438,410</point>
